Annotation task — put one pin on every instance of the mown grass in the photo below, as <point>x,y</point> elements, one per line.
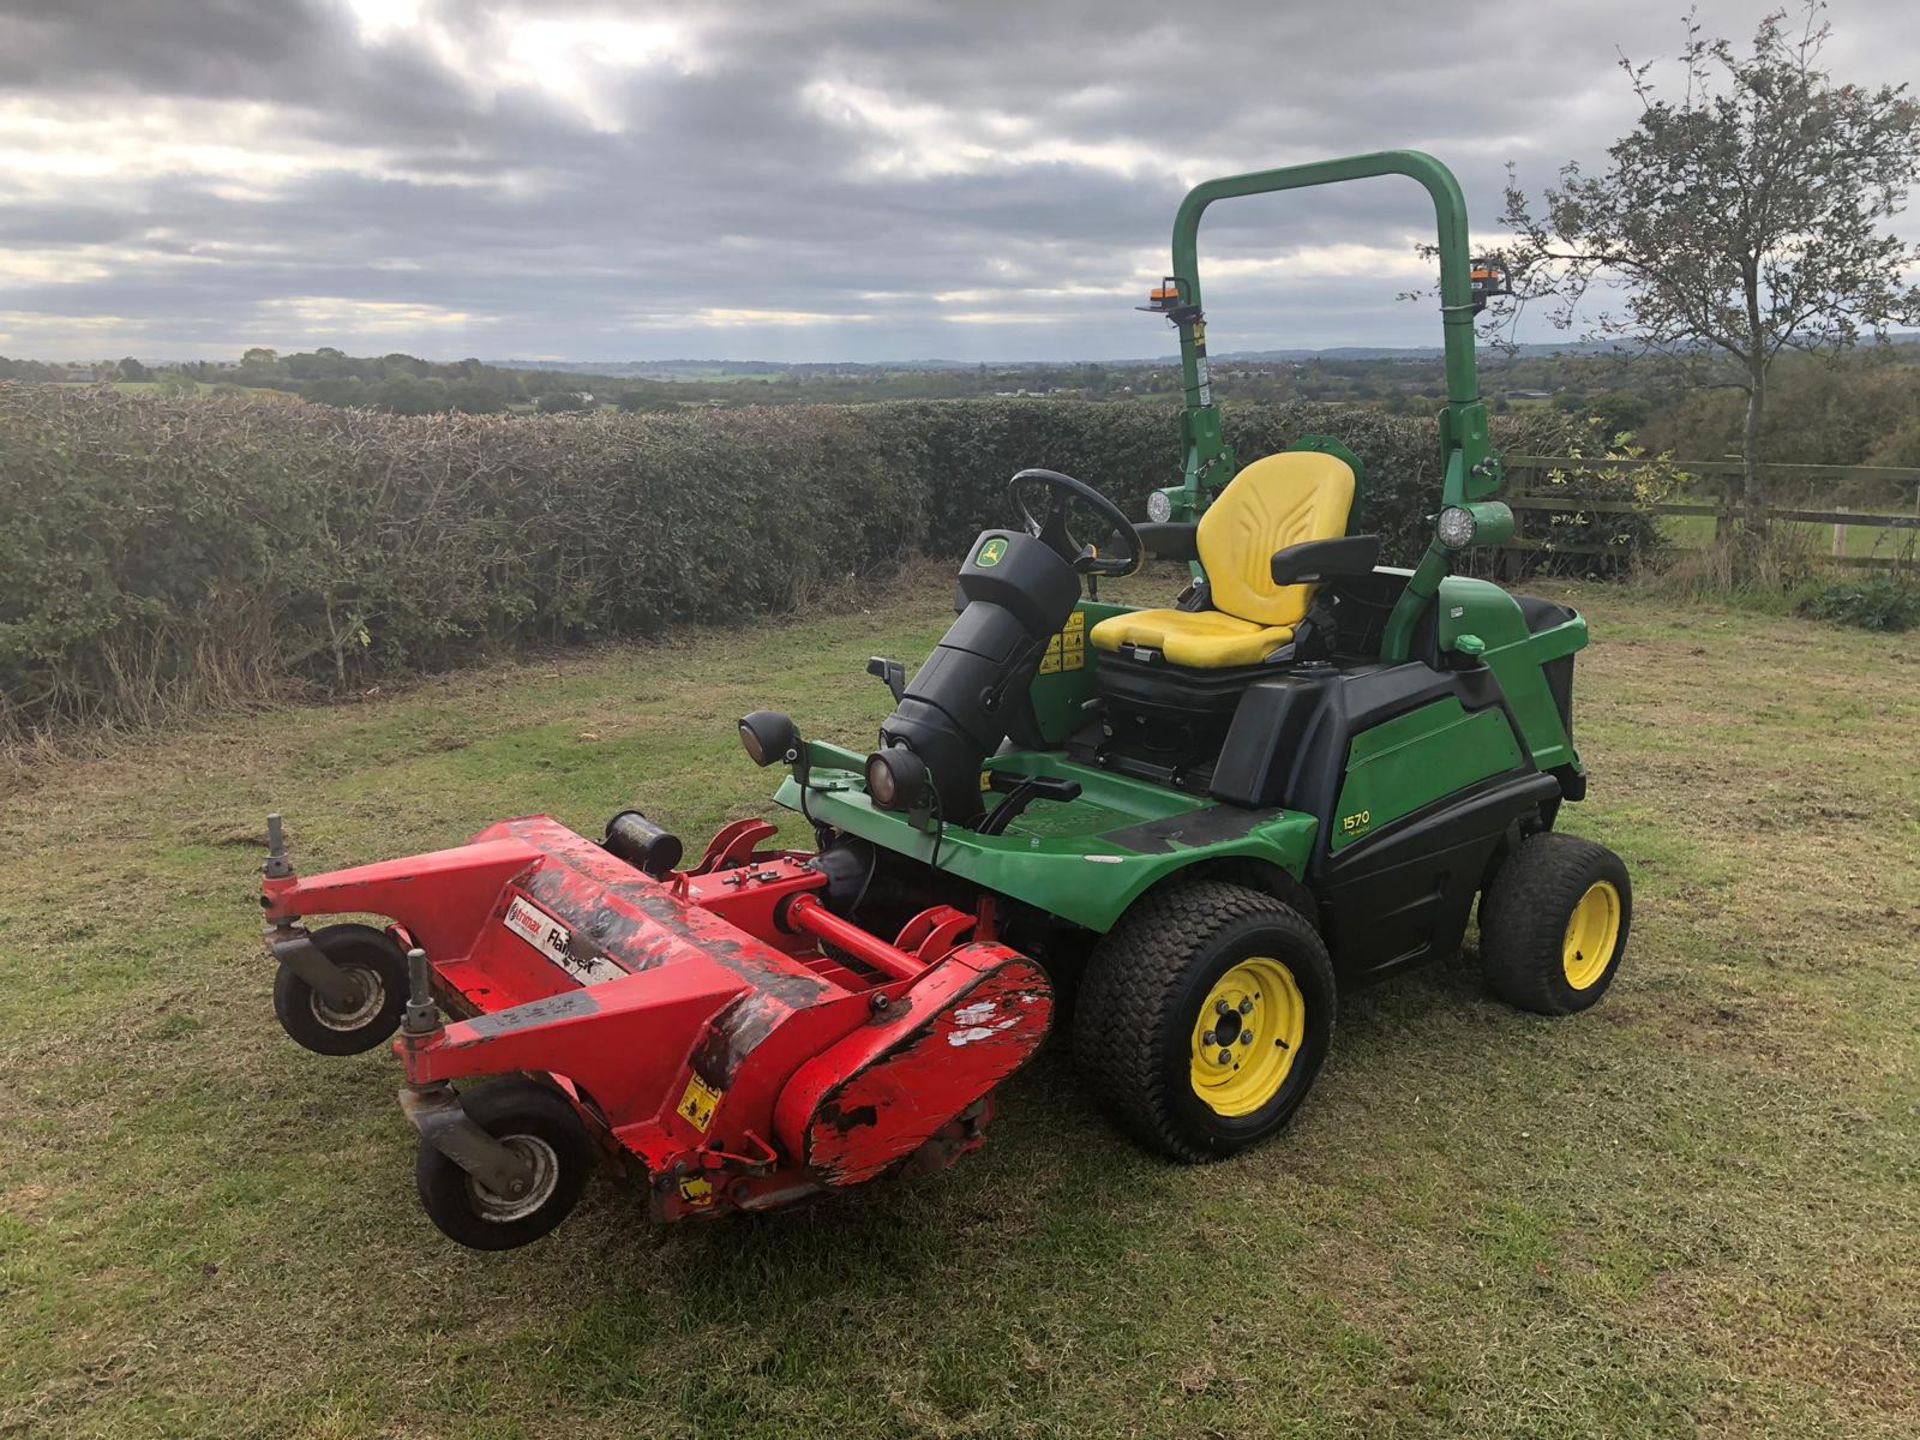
<point>1692,1211</point>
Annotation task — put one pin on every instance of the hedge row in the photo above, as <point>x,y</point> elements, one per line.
<point>160,552</point>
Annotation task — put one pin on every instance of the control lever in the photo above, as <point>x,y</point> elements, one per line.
<point>891,671</point>
<point>1021,791</point>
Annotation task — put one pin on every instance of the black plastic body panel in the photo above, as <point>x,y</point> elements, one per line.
<point>1289,738</point>
<point>1027,579</point>
<point>1403,896</point>
<point>973,689</point>
<point>1167,541</point>
<point>1312,561</point>
<point>1543,614</point>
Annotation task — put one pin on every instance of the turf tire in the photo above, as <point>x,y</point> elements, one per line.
<point>1524,915</point>
<point>541,1122</point>
<point>372,958</point>
<point>1144,985</point>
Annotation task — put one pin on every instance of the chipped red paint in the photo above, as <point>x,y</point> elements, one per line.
<point>655,1005</point>
<point>886,1090</point>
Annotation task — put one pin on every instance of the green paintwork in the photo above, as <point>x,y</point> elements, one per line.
<point>1464,423</point>
<point>1059,858</point>
<point>1415,759</point>
<point>1483,609</point>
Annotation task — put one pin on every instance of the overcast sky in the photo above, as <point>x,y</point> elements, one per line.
<point>815,179</point>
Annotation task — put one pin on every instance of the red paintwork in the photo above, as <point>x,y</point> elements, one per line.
<point>806,912</point>
<point>726,1059</point>
<point>884,1091</point>
<point>734,845</point>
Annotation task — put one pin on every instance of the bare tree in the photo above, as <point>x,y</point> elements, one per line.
<point>1745,216</point>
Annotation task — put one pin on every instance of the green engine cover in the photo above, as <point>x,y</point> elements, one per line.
<point>1411,761</point>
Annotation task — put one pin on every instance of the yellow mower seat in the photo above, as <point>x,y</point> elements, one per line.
<point>1283,500</point>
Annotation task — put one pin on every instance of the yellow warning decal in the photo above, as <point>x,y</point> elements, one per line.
<point>1068,649</point>
<point>694,1190</point>
<point>699,1102</point>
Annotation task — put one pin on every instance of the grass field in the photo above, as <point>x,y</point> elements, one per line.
<point>154,387</point>
<point>1695,532</point>
<point>1695,1210</point>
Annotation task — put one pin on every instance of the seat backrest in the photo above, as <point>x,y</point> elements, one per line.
<point>1285,499</point>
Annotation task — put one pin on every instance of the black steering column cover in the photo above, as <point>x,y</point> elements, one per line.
<point>959,705</point>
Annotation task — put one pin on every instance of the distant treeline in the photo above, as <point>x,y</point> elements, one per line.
<point>394,384</point>
<point>163,553</point>
<point>1863,409</point>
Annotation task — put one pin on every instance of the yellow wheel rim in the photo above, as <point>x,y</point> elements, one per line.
<point>1245,1038</point>
<point>1593,931</point>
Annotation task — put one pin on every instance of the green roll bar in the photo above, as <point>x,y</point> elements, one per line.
<point>1471,466</point>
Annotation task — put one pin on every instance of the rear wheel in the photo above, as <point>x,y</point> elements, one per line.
<point>1205,1017</point>
<point>540,1125</point>
<point>377,972</point>
<point>1554,923</point>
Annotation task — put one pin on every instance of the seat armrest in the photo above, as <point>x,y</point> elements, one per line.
<point>1169,541</point>
<point>1326,559</point>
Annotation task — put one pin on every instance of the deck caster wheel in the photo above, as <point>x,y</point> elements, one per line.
<point>1204,1018</point>
<point>367,1018</point>
<point>1554,924</point>
<point>540,1125</point>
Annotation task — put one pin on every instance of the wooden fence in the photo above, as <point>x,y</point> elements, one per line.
<point>1717,483</point>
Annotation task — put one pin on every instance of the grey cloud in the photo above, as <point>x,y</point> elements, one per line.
<point>725,188</point>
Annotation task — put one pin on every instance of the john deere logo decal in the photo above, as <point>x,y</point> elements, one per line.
<point>991,552</point>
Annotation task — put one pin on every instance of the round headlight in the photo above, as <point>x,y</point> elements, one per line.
<point>768,736</point>
<point>1456,527</point>
<point>1159,507</point>
<point>896,778</point>
<point>880,781</point>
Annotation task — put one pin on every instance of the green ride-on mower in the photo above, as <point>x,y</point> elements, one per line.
<point>1297,775</point>
<point>1207,816</point>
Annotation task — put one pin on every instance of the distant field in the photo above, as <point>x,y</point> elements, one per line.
<point>1695,532</point>
<point>148,387</point>
<point>1692,1211</point>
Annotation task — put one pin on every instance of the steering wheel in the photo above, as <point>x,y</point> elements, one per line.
<point>1051,529</point>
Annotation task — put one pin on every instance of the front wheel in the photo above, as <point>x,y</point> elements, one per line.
<point>540,1125</point>
<point>1554,922</point>
<point>368,1016</point>
<point>1205,1017</point>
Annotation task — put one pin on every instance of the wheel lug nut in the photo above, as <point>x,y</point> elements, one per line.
<point>1226,1057</point>
<point>1220,1007</point>
<point>1246,1037</point>
<point>1246,1007</point>
<point>1208,1038</point>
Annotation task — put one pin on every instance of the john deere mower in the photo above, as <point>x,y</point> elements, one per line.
<point>1207,816</point>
